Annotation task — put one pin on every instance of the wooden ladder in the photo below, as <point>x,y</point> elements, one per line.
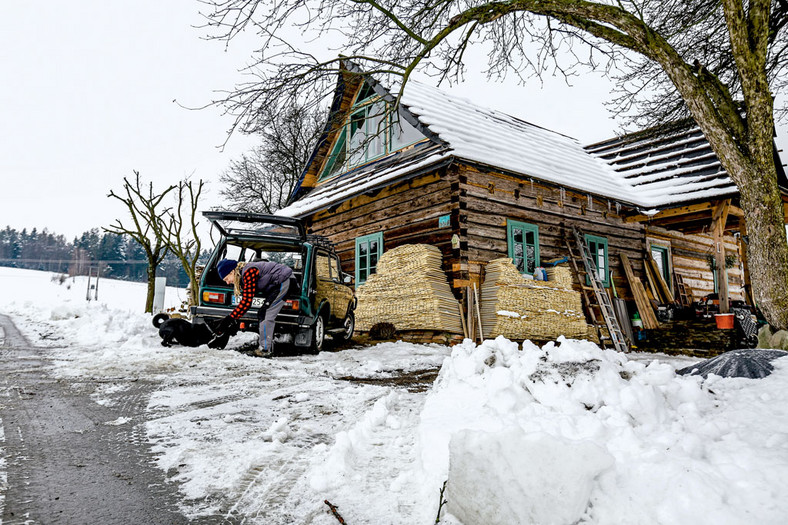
<point>683,291</point>
<point>602,298</point>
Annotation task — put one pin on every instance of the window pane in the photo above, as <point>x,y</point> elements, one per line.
<point>530,266</point>
<point>362,275</point>
<point>518,262</point>
<point>336,164</point>
<point>376,131</point>
<point>373,256</point>
<point>358,137</point>
<point>518,251</point>
<point>517,235</point>
<point>323,271</point>
<point>363,249</point>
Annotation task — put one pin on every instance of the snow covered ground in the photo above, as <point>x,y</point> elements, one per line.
<point>566,433</point>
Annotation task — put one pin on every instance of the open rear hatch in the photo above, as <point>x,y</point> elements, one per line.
<point>238,224</point>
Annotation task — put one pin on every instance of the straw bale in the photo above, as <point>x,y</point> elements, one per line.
<point>409,290</point>
<point>520,308</point>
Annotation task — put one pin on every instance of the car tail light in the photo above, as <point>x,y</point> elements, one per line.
<point>293,304</point>
<point>242,326</point>
<point>213,297</point>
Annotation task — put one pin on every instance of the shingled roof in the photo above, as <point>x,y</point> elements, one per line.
<point>670,165</point>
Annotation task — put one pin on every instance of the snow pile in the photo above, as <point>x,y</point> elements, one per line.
<point>569,433</point>
<point>566,433</point>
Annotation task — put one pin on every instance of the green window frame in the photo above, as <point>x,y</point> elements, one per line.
<point>357,143</point>
<point>599,255</point>
<point>369,248</point>
<point>523,241</point>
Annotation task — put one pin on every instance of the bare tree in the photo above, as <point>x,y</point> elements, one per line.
<point>263,179</point>
<point>716,60</point>
<point>145,208</point>
<point>177,228</point>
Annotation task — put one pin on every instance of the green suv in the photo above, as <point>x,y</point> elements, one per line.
<point>320,300</point>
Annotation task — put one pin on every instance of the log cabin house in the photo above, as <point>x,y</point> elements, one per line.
<point>480,185</point>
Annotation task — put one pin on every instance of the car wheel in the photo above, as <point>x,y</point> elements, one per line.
<point>350,326</point>
<point>318,335</point>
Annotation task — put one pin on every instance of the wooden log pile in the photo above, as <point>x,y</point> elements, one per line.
<point>409,290</point>
<point>520,308</point>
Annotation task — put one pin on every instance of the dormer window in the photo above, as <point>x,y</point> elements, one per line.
<point>367,134</point>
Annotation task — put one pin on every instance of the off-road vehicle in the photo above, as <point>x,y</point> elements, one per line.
<point>320,300</point>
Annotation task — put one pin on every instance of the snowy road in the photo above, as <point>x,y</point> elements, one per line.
<point>240,439</point>
<point>66,461</point>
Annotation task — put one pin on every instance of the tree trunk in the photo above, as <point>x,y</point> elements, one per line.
<point>767,248</point>
<point>151,288</point>
<point>194,289</point>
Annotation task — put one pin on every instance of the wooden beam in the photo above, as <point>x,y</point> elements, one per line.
<point>719,218</point>
<point>672,212</point>
<point>745,264</point>
<point>687,210</point>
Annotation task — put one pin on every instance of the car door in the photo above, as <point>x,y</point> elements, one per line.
<point>342,295</point>
<point>325,284</point>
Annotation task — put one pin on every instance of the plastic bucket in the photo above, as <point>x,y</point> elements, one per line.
<point>724,321</point>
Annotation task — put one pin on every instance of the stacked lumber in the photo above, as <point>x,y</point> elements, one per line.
<point>560,276</point>
<point>409,290</point>
<point>520,308</point>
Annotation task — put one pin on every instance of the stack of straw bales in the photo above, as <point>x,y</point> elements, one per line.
<point>519,308</point>
<point>409,290</point>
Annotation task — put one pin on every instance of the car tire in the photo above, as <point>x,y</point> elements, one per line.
<point>350,326</point>
<point>318,335</point>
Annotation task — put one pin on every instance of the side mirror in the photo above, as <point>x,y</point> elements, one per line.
<point>348,279</point>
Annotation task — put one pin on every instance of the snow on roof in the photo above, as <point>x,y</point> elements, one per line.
<point>368,177</point>
<point>499,140</point>
<point>667,168</point>
<point>647,170</point>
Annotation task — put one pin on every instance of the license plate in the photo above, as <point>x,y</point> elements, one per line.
<point>257,302</point>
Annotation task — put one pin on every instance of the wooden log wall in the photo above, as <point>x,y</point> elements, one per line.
<point>406,213</point>
<point>488,199</point>
<point>690,257</point>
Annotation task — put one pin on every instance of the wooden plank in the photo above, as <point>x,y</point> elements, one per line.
<point>672,212</point>
<point>720,218</point>
<point>636,285</point>
<point>652,287</point>
<point>748,297</point>
<point>665,295</point>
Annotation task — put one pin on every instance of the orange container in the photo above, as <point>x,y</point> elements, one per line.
<point>724,321</point>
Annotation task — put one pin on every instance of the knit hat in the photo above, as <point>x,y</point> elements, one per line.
<point>226,266</point>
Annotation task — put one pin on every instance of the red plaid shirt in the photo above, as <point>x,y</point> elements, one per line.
<point>248,288</point>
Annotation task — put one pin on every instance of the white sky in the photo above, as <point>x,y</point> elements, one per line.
<point>87,94</point>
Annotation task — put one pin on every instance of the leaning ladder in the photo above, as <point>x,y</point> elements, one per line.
<point>613,328</point>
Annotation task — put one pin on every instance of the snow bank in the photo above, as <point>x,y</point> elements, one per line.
<point>571,433</point>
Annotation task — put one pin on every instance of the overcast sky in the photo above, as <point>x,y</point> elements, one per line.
<point>87,96</point>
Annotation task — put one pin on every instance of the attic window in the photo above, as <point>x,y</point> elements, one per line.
<point>368,133</point>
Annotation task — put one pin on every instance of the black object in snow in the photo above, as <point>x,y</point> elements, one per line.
<point>753,364</point>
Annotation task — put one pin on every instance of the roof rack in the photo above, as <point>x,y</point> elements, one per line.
<point>321,242</point>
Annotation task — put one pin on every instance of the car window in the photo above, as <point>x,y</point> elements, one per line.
<point>336,272</point>
<point>323,266</point>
